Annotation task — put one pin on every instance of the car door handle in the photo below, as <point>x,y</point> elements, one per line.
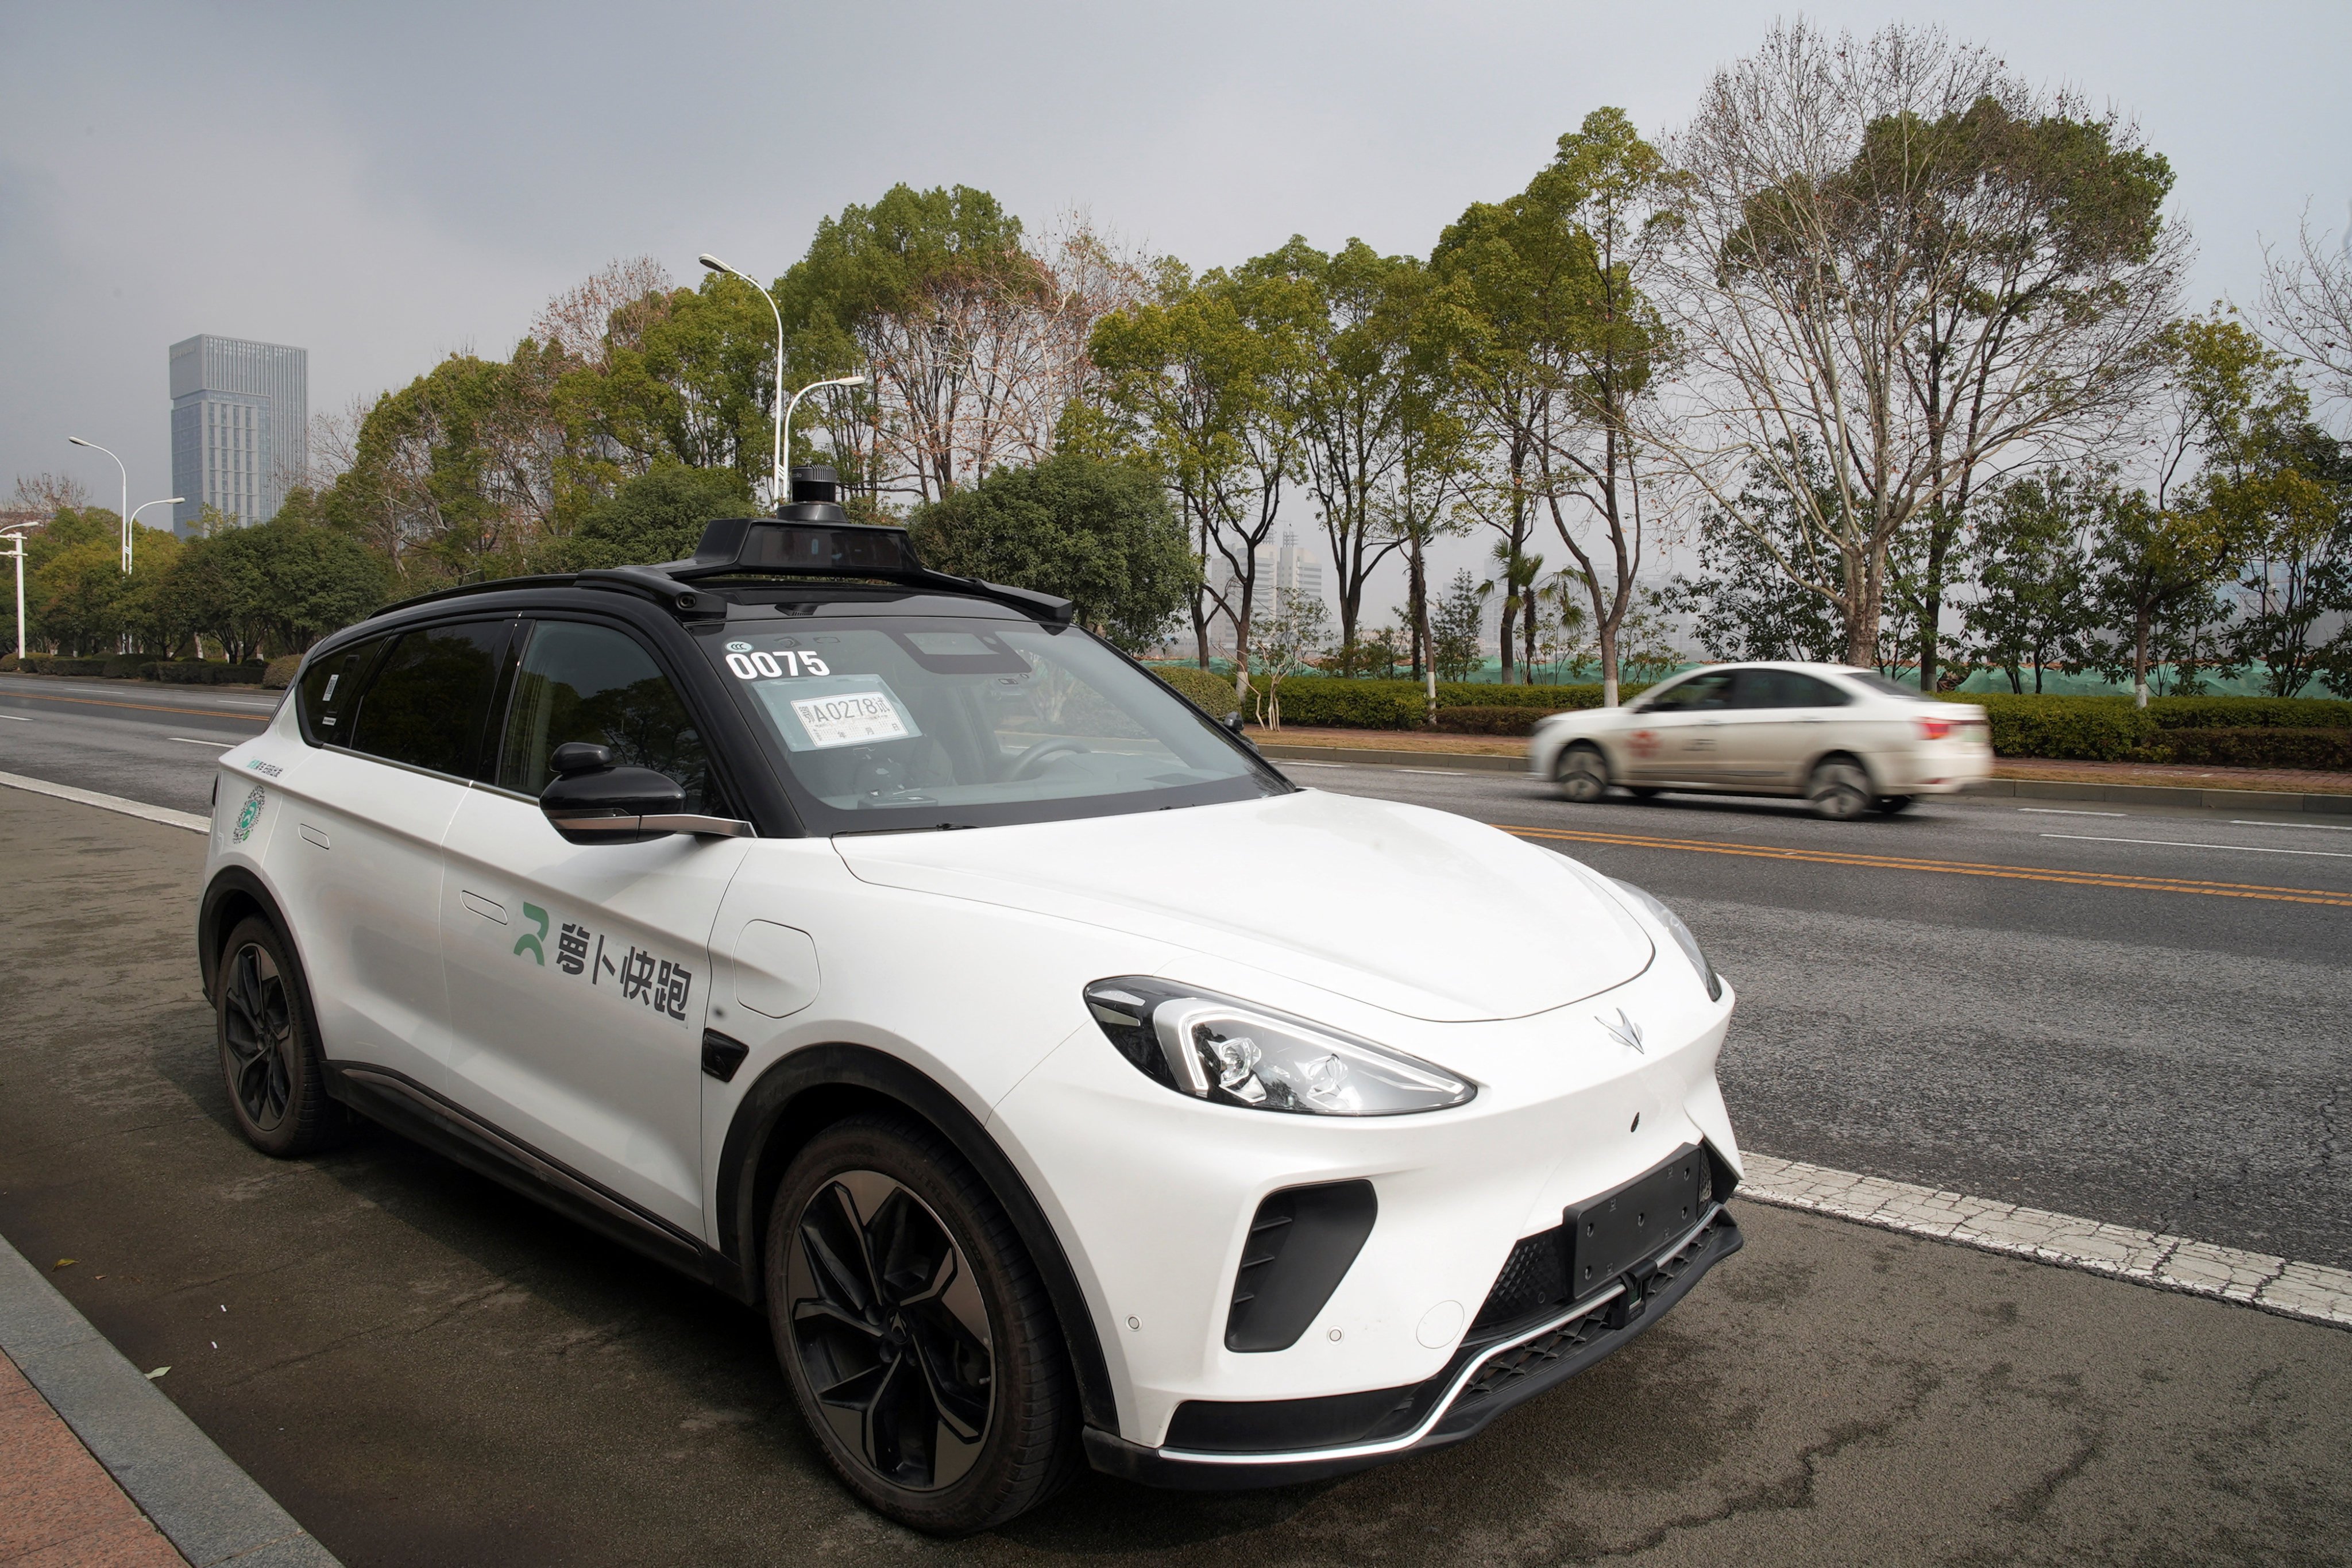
<point>489,909</point>
<point>317,836</point>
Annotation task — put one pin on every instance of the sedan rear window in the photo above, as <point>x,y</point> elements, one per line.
<point>1884,687</point>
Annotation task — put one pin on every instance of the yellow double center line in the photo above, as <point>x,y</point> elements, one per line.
<point>1950,867</point>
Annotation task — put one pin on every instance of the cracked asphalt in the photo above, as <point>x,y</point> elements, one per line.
<point>425,1369</point>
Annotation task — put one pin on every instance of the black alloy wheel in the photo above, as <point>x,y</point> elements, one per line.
<point>257,1032</point>
<point>919,1338</point>
<point>891,1332</point>
<point>276,1088</point>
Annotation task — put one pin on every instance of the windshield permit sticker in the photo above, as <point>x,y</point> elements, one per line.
<point>769,666</point>
<point>850,718</point>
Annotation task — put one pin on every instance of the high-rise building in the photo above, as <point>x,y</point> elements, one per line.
<point>240,427</point>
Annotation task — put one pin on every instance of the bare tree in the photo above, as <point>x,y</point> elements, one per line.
<point>605,310</point>
<point>48,493</point>
<point>1894,260</point>
<point>2308,306</point>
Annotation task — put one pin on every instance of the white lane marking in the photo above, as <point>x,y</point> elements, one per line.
<point>2311,1290</point>
<point>2314,827</point>
<point>2184,844</point>
<point>2061,811</point>
<point>16,718</point>
<point>222,745</point>
<point>1449,773</point>
<point>163,814</point>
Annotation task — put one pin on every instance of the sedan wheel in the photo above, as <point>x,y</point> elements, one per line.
<point>277,1085</point>
<point>1891,805</point>
<point>917,1335</point>
<point>1582,774</point>
<point>1839,790</point>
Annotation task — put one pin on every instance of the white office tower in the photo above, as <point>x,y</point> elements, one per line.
<point>240,427</point>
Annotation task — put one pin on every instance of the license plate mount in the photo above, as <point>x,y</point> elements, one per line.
<point>1607,1234</point>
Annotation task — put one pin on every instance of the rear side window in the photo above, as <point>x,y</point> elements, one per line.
<point>431,698</point>
<point>1784,689</point>
<point>593,683</point>
<point>330,690</point>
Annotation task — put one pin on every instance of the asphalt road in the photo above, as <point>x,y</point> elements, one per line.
<point>2059,1006</point>
<point>426,1370</point>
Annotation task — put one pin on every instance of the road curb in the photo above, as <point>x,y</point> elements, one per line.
<point>2310,1291</point>
<point>138,808</point>
<point>1438,762</point>
<point>205,1504</point>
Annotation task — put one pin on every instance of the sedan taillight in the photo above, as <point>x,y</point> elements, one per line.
<point>1934,729</point>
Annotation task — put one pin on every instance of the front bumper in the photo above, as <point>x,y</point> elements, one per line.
<point>1216,1446</point>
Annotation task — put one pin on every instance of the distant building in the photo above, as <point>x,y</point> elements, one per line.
<point>240,427</point>
<point>1287,567</point>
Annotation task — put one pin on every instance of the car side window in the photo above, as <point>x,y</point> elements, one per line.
<point>1710,691</point>
<point>1757,689</point>
<point>598,684</point>
<point>330,689</point>
<point>431,698</point>
<point>1811,691</point>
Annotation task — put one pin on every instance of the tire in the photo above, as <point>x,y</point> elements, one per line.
<point>269,1054</point>
<point>1839,789</point>
<point>1892,804</point>
<point>905,1312</point>
<point>1582,773</point>
<point>1643,792</point>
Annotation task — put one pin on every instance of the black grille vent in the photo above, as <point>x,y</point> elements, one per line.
<point>1535,1277</point>
<point>1301,1241</point>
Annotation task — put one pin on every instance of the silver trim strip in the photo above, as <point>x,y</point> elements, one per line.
<point>1462,1381</point>
<point>667,822</point>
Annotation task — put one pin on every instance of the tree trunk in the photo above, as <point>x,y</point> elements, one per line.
<point>1608,639</point>
<point>2139,659</point>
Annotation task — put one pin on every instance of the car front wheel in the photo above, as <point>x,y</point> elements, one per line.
<point>1839,789</point>
<point>917,1335</point>
<point>1582,773</point>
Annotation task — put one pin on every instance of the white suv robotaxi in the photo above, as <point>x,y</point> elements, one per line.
<point>882,949</point>
<point>1845,740</point>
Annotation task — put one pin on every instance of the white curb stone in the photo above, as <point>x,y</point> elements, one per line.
<point>2308,1290</point>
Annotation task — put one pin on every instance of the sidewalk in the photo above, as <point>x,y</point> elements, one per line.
<point>99,1467</point>
<point>57,1504</point>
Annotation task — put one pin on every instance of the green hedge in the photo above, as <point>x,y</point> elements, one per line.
<point>2088,728</point>
<point>58,664</point>
<point>1210,692</point>
<point>1401,704</point>
<point>204,672</point>
<point>2256,746</point>
<point>2246,712</point>
<point>281,670</point>
<point>1489,721</point>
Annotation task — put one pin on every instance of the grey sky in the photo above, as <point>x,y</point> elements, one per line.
<point>384,184</point>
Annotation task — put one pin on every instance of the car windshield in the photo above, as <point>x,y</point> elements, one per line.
<point>893,722</point>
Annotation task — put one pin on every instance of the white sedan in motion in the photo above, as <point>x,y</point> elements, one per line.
<point>1843,739</point>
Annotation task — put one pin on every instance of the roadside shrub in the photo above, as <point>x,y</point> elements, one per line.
<point>127,667</point>
<point>1210,692</point>
<point>2255,746</point>
<point>2088,729</point>
<point>1348,704</point>
<point>207,672</point>
<point>1489,721</point>
<point>58,664</point>
<point>2246,712</point>
<point>280,673</point>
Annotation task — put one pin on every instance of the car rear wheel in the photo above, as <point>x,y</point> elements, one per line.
<point>1582,773</point>
<point>1891,804</point>
<point>915,1330</point>
<point>1643,792</point>
<point>1839,789</point>
<point>277,1085</point>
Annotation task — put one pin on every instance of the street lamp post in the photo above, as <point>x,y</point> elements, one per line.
<point>125,514</point>
<point>129,532</point>
<point>780,488</point>
<point>15,537</point>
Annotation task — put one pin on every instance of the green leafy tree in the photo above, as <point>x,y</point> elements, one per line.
<point>658,516</point>
<point>1100,534</point>
<point>2034,570</point>
<point>1457,628</point>
<point>1286,642</point>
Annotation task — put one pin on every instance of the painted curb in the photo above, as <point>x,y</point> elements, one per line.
<point>205,1504</point>
<point>138,808</point>
<point>2312,1292</point>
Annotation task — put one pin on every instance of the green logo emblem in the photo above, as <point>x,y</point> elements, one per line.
<point>529,942</point>
<point>248,815</point>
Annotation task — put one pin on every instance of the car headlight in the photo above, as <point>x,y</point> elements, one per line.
<point>1682,935</point>
<point>1215,1049</point>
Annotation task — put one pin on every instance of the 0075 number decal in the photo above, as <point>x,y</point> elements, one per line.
<point>768,666</point>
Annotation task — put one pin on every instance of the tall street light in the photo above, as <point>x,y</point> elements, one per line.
<point>125,513</point>
<point>129,533</point>
<point>803,392</point>
<point>15,535</point>
<point>782,491</point>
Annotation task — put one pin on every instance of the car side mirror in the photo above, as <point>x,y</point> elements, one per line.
<point>590,801</point>
<point>1232,722</point>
